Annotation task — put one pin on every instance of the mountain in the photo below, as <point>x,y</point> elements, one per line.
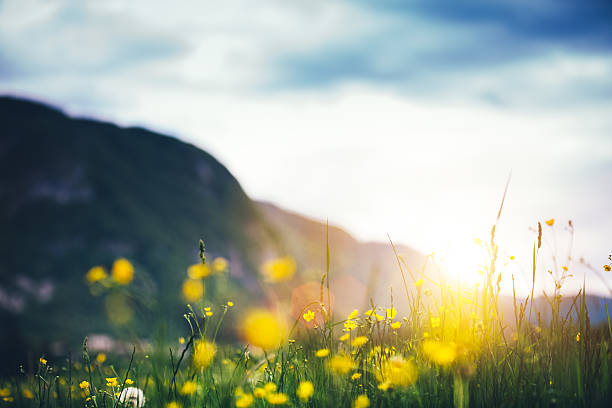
<point>75,193</point>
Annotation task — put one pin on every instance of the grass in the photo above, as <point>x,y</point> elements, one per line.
<point>451,347</point>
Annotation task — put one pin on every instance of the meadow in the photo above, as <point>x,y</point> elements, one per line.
<point>451,347</point>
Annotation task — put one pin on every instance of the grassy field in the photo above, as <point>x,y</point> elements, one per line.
<point>451,347</point>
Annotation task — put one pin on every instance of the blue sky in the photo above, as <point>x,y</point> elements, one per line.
<point>399,117</point>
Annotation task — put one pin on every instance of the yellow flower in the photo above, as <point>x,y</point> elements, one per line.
<point>565,268</point>
<point>101,358</point>
<point>84,385</point>
<point>396,371</point>
<point>42,361</point>
<point>111,382</point>
<point>550,222</point>
<point>344,337</point>
<point>219,264</point>
<point>356,376</point>
<point>95,274</point>
<point>391,313</point>
<point>350,325</point>
<point>305,390</point>
<point>181,340</point>
<point>263,329</point>
<point>28,394</point>
<point>259,392</point>
<point>279,270</point>
<point>129,381</point>
<point>123,271</point>
<point>308,316</point>
<point>173,404</point>
<point>277,398</point>
<point>361,401</point>
<point>376,315</point>
<point>322,353</point>
<point>209,313</point>
<point>198,271</point>
<point>270,387</point>
<point>8,399</point>
<point>5,392</point>
<point>353,314</point>
<point>341,364</point>
<point>396,325</point>
<point>244,401</point>
<point>439,352</point>
<point>189,388</point>
<point>203,353</point>
<point>359,341</point>
<point>607,268</point>
<point>193,290</point>
<point>419,283</point>
<point>577,337</point>
<point>230,303</point>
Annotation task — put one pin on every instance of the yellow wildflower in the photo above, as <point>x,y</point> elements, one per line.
<point>95,274</point>
<point>607,268</point>
<point>391,313</point>
<point>101,358</point>
<point>359,341</point>
<point>193,290</point>
<point>361,401</point>
<point>181,340</point>
<point>198,271</point>
<point>396,325</point>
<point>244,401</point>
<point>5,392</point>
<point>419,283</point>
<point>129,381</point>
<point>353,314</point>
<point>308,316</point>
<point>341,364</point>
<point>439,352</point>
<point>304,391</point>
<point>356,376</point>
<point>173,404</point>
<point>259,392</point>
<point>203,353</point>
<point>322,353</point>
<point>263,329</point>
<point>188,388</point>
<point>396,371</point>
<point>350,325</point>
<point>111,382</point>
<point>230,303</point>
<point>577,337</point>
<point>8,399</point>
<point>28,394</point>
<point>219,264</point>
<point>42,361</point>
<point>279,270</point>
<point>270,387</point>
<point>84,385</point>
<point>550,222</point>
<point>344,337</point>
<point>123,271</point>
<point>277,398</point>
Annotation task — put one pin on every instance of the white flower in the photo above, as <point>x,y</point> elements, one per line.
<point>132,396</point>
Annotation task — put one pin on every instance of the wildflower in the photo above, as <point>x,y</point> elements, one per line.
<point>173,404</point>
<point>230,303</point>
<point>512,257</point>
<point>111,382</point>
<point>359,341</point>
<point>219,264</point>
<point>419,283</point>
<point>193,290</point>
<point>188,388</point>
<point>361,401</point>
<point>203,353</point>
<point>181,340</point>
<point>42,361</point>
<point>279,270</point>
<point>322,353</point>
<point>277,398</point>
<point>344,337</point>
<point>396,325</point>
<point>439,352</point>
<point>391,313</point>
<point>356,376</point>
<point>577,337</point>
<point>371,313</point>
<point>350,325</point>
<point>565,268</point>
<point>244,401</point>
<point>101,358</point>
<point>396,371</point>
<point>84,385</point>
<point>270,387</point>
<point>132,396</point>
<point>8,399</point>
<point>263,329</point>
<point>478,241</point>
<point>123,271</point>
<point>129,381</point>
<point>209,313</point>
<point>308,316</point>
<point>550,222</point>
<point>353,314</point>
<point>304,391</point>
<point>95,274</point>
<point>341,364</point>
<point>259,392</point>
<point>607,268</point>
<point>198,271</point>
<point>4,392</point>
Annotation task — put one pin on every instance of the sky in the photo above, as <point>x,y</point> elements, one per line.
<point>386,117</point>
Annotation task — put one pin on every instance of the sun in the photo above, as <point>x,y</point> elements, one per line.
<point>464,260</point>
